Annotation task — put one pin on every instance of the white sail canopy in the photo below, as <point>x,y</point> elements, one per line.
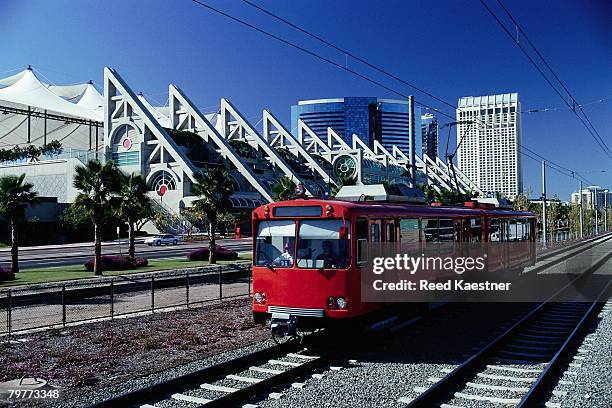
<point>68,91</point>
<point>26,89</point>
<point>91,99</point>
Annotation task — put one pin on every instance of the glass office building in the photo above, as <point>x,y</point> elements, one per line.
<point>429,135</point>
<point>370,118</point>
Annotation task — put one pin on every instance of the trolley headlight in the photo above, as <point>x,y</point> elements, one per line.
<point>341,303</point>
<point>260,297</point>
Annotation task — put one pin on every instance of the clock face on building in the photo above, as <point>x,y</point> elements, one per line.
<point>346,166</point>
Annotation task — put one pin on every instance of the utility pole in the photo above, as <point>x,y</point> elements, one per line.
<point>411,134</point>
<point>581,231</point>
<point>606,192</point>
<point>544,203</point>
<point>596,211</point>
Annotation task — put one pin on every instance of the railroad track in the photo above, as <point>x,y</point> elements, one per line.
<point>243,379</point>
<point>520,366</point>
<point>226,383</point>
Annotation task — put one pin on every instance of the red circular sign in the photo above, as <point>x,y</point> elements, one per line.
<point>162,190</point>
<point>127,143</point>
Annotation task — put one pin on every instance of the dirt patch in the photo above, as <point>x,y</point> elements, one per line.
<point>90,357</point>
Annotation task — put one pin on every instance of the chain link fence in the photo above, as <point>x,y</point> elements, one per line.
<point>60,304</point>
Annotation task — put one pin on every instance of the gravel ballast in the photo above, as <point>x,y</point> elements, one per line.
<point>384,372</point>
<point>95,361</point>
<point>591,386</point>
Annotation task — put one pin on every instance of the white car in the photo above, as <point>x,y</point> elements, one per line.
<point>163,239</point>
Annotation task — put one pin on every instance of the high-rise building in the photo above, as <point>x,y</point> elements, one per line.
<point>488,139</point>
<point>429,135</point>
<point>370,118</point>
<point>593,197</point>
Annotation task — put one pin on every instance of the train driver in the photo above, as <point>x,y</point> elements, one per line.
<point>328,256</point>
<point>285,258</point>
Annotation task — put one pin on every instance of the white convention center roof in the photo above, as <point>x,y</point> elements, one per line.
<point>24,90</point>
<point>81,100</point>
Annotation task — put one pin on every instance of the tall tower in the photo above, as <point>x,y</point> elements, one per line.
<point>384,120</point>
<point>488,150</point>
<point>429,134</point>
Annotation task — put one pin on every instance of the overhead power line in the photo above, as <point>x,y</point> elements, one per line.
<point>350,54</point>
<point>311,53</point>
<point>371,65</point>
<point>594,134</point>
<point>549,163</point>
<point>575,102</point>
<point>557,108</point>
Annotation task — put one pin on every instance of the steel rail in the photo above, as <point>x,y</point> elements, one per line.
<point>243,363</point>
<point>540,386</point>
<point>445,387</point>
<point>242,394</point>
<point>136,397</point>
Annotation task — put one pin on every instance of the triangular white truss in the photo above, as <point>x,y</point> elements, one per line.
<point>185,116</point>
<point>233,126</point>
<point>123,107</point>
<point>278,137</point>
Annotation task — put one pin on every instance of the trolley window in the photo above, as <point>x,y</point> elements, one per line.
<point>321,246</point>
<point>446,230</point>
<point>475,229</point>
<point>410,230</point>
<point>431,230</point>
<point>494,230</point>
<point>275,242</point>
<point>522,229</point>
<point>361,234</point>
<point>513,233</point>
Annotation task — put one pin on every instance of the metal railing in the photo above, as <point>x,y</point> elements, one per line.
<point>60,304</point>
<point>82,155</point>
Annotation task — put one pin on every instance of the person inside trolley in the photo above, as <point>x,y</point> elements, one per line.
<point>285,258</point>
<point>328,256</point>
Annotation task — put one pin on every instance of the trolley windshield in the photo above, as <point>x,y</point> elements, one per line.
<point>275,243</point>
<point>320,244</point>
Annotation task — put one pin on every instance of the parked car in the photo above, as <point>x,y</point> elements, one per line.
<point>162,239</point>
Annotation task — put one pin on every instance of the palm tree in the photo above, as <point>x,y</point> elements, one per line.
<point>134,204</point>
<point>15,195</point>
<point>213,187</point>
<point>284,189</point>
<point>99,185</point>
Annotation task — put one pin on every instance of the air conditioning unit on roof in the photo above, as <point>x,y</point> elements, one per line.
<point>381,193</point>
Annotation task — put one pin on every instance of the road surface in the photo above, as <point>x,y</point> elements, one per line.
<point>73,254</point>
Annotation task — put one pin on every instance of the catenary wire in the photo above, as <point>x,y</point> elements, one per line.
<point>575,102</point>
<point>599,142</point>
<point>549,163</point>
<point>313,54</point>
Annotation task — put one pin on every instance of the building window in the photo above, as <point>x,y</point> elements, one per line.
<point>162,182</point>
<point>126,158</point>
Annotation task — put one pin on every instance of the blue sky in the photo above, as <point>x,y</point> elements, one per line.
<point>450,48</point>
